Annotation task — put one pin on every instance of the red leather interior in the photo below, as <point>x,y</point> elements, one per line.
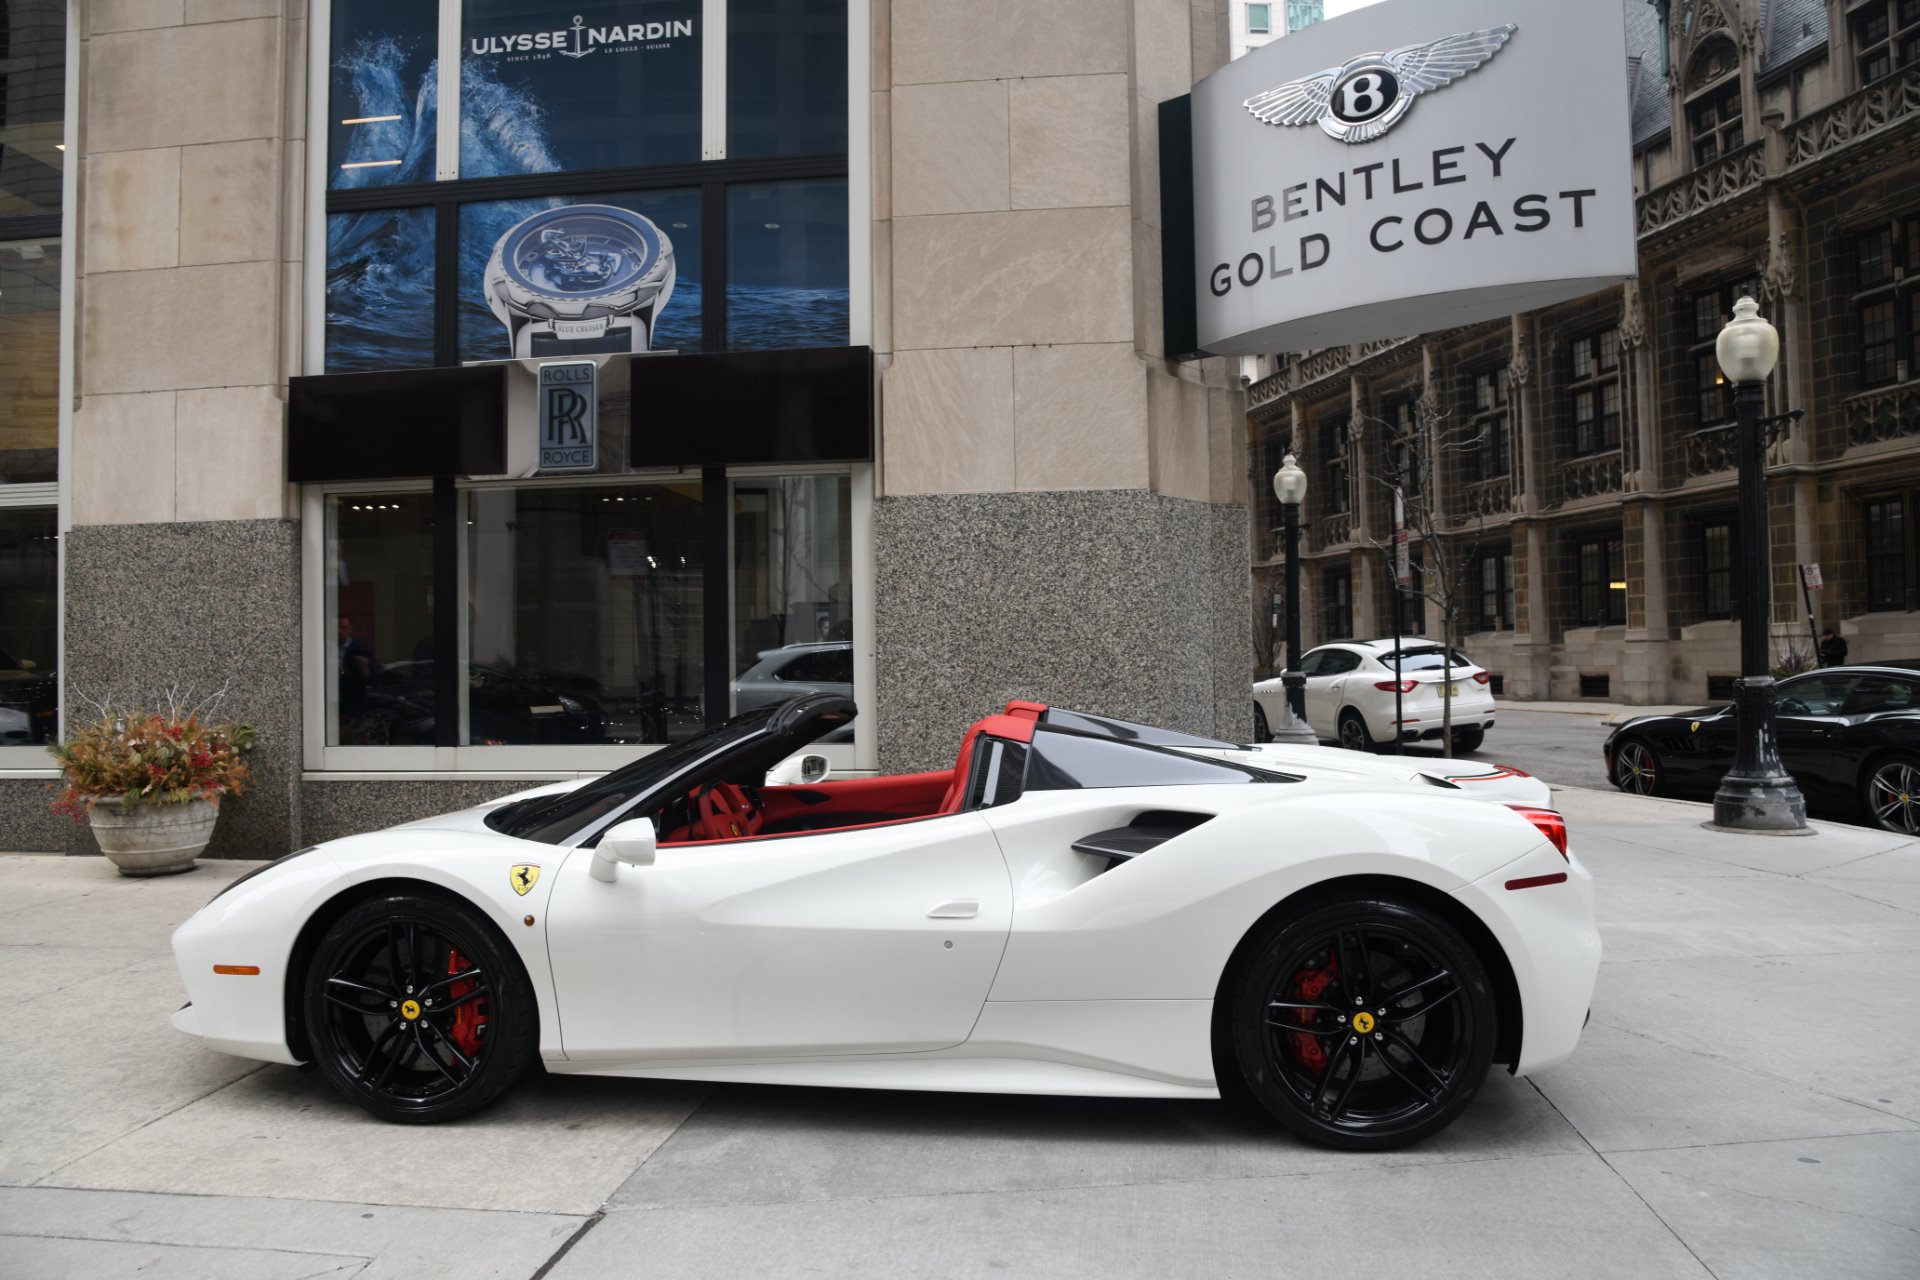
<point>905,795</point>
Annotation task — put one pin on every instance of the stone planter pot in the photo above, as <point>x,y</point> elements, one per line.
<point>152,839</point>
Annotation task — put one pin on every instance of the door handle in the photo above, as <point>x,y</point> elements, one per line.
<point>955,909</point>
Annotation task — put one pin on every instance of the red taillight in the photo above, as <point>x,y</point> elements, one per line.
<point>1551,824</point>
<point>1482,677</point>
<point>1396,686</point>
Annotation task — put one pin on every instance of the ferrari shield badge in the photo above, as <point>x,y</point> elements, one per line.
<point>1696,727</point>
<point>524,877</point>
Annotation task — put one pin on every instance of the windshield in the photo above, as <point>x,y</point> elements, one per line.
<point>1427,659</point>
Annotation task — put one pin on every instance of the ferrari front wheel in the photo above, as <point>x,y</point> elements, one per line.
<point>417,1009</point>
<point>1365,1023</point>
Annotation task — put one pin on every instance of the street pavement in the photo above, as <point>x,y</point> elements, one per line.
<point>1744,1104</point>
<point>1560,746</point>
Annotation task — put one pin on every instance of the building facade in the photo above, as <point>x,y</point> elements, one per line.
<point>1251,24</point>
<point>868,296</point>
<point>1570,472</point>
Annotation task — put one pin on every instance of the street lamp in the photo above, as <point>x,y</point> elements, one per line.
<point>1290,487</point>
<point>1758,794</point>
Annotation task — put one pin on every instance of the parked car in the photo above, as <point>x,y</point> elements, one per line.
<point>1072,908</point>
<point>822,667</point>
<point>28,702</point>
<point>1350,694</point>
<point>1850,736</point>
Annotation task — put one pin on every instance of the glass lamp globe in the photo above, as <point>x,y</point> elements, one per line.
<point>1289,483</point>
<point>1748,347</point>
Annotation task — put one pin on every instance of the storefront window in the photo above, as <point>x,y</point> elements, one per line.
<point>787,264</point>
<point>380,689</point>
<point>382,114</point>
<point>560,277</point>
<point>379,290</point>
<point>585,614</point>
<point>786,78</point>
<point>548,87</point>
<point>793,588</point>
<point>29,595</point>
<point>29,361</point>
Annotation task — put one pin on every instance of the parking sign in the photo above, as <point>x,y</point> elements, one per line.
<point>569,416</point>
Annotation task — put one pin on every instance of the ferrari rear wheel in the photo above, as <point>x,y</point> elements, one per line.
<point>1365,1024</point>
<point>417,1010</point>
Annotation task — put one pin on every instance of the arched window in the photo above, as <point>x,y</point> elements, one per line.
<point>1713,101</point>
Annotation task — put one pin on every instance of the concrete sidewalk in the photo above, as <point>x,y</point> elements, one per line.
<point>1744,1104</point>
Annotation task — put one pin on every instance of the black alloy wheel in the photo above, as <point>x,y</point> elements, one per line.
<point>1891,794</point>
<point>1363,1024</point>
<point>1468,741</point>
<point>1353,732</point>
<point>1636,770</point>
<point>418,1010</point>
<point>1261,733</point>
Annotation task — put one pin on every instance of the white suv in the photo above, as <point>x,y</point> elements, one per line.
<point>1350,694</point>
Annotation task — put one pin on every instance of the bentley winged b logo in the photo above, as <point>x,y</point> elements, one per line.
<point>1364,97</point>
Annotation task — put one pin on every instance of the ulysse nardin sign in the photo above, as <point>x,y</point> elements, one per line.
<point>1471,160</point>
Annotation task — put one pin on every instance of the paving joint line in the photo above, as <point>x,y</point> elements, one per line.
<point>579,1214</point>
<point>361,1258</point>
<point>228,1084</point>
<point>1761,1142</point>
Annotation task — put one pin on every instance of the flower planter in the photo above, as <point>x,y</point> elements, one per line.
<point>152,839</point>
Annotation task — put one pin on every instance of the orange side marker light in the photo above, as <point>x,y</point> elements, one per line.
<point>238,970</point>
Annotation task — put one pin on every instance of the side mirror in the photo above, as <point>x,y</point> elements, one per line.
<point>799,771</point>
<point>632,842</point>
<point>28,664</point>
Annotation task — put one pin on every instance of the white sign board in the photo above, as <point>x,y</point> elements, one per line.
<point>1402,563</point>
<point>569,416</point>
<point>1411,166</point>
<point>1811,572</point>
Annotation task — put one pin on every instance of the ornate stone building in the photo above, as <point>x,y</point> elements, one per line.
<point>1579,460</point>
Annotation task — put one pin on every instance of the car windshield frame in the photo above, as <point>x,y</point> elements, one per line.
<point>578,817</point>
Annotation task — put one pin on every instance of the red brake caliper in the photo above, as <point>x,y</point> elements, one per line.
<point>1307,985</point>
<point>468,1019</point>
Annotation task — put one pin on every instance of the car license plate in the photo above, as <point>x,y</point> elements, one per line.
<point>1453,691</point>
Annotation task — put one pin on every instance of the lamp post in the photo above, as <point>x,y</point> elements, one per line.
<point>1290,487</point>
<point>1758,794</point>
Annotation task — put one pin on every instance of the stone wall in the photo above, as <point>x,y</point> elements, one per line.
<point>1121,602</point>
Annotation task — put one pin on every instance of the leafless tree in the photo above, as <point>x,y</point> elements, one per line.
<point>1419,462</point>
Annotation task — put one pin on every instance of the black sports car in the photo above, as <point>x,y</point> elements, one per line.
<point>1850,736</point>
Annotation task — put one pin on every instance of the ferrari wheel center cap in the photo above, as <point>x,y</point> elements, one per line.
<point>410,1009</point>
<point>1363,1022</point>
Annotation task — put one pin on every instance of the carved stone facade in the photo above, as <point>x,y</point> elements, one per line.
<point>1584,454</point>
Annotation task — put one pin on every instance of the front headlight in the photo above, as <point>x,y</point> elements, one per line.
<point>265,866</point>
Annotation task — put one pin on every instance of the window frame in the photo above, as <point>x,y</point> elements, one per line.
<point>713,175</point>
<point>1266,20</point>
<point>1701,349</point>
<point>1611,545</point>
<point>1490,422</point>
<point>1895,245</point>
<point>1336,606</point>
<point>323,761</point>
<point>32,762</point>
<point>1500,592</point>
<point>1894,48</point>
<point>1898,553</point>
<point>1601,431</point>
<point>1728,525</point>
<point>1338,500</point>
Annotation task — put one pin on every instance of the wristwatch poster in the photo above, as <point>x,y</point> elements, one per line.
<point>582,279</point>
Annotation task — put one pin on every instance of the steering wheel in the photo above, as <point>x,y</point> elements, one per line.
<point>723,811</point>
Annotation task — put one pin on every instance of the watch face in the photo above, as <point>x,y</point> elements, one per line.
<point>581,250</point>
<point>580,279</point>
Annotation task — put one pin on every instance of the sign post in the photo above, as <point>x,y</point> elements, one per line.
<point>1402,579</point>
<point>569,416</point>
<point>1810,582</point>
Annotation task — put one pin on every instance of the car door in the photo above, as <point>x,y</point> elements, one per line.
<point>1809,715</point>
<point>1325,690</point>
<point>1880,712</point>
<point>874,939</point>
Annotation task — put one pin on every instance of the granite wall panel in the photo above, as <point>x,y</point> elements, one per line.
<point>329,810</point>
<point>1122,602</point>
<point>200,605</point>
<point>27,825</point>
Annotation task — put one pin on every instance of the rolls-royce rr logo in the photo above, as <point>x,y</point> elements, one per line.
<point>1364,97</point>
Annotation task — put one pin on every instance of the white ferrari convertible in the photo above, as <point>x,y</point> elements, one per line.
<point>1079,906</point>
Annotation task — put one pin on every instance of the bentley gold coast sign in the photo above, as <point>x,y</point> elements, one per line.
<point>1411,166</point>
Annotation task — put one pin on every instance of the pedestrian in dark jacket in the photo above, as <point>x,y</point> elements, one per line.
<point>1833,650</point>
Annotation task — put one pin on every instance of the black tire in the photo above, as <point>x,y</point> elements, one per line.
<point>368,998</point>
<point>1636,768</point>
<point>1354,735</point>
<point>1468,740</point>
<point>1261,733</point>
<point>1890,793</point>
<point>1420,1036</point>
